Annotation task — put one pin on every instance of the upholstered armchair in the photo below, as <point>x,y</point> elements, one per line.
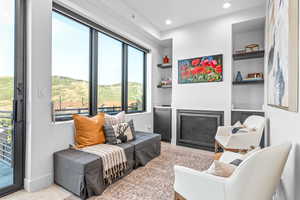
<point>255,178</point>
<point>244,140</point>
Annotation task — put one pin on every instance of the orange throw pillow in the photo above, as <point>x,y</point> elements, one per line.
<point>89,130</point>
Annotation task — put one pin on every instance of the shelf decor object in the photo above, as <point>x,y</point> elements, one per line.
<point>282,50</point>
<point>201,69</point>
<point>249,55</point>
<point>166,60</point>
<point>239,76</point>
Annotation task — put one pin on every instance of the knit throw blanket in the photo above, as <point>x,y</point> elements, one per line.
<point>113,158</point>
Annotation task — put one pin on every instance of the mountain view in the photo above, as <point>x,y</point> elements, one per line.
<point>72,93</point>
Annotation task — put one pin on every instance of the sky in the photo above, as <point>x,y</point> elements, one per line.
<point>70,54</point>
<point>6,38</point>
<point>70,50</point>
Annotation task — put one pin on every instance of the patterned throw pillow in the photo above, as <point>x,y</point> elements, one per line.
<point>124,132</point>
<point>222,169</point>
<point>111,120</point>
<point>110,136</point>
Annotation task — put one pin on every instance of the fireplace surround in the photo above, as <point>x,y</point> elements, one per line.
<point>197,128</point>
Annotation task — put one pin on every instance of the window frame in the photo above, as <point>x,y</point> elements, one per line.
<point>95,29</point>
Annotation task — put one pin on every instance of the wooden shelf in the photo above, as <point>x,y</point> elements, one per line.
<point>248,82</point>
<point>249,55</point>
<point>165,66</point>
<point>164,86</point>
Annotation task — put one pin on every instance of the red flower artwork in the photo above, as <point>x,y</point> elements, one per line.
<point>196,62</point>
<point>219,69</point>
<point>203,69</point>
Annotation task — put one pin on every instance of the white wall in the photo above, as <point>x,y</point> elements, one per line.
<point>43,137</point>
<point>202,39</point>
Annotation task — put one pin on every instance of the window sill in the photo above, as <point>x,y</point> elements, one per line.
<point>71,121</point>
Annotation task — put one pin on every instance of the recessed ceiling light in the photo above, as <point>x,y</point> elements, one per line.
<point>226,5</point>
<point>168,22</point>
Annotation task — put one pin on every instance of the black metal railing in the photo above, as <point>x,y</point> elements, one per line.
<point>66,113</point>
<point>6,137</point>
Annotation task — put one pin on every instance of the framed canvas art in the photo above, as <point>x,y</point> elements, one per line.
<point>201,69</point>
<point>282,54</point>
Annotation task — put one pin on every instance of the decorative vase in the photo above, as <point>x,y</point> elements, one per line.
<point>166,60</point>
<point>239,77</point>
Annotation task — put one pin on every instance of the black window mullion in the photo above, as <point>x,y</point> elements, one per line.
<point>125,77</point>
<point>93,72</point>
<point>145,82</point>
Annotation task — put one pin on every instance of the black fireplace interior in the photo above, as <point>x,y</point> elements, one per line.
<point>197,129</point>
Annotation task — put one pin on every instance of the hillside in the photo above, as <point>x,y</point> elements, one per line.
<point>73,93</point>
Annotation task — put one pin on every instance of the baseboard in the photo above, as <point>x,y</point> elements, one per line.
<point>33,185</point>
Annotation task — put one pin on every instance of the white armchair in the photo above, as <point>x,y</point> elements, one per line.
<point>256,178</point>
<point>242,141</point>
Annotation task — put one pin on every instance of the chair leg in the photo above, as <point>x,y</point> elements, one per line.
<point>179,197</point>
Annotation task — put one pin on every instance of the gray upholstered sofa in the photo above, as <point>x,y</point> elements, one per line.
<point>81,173</point>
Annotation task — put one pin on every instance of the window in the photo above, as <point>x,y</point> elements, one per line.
<point>109,74</point>
<point>93,69</point>
<point>70,66</point>
<point>135,80</point>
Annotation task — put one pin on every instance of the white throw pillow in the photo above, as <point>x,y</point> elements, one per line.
<point>111,120</point>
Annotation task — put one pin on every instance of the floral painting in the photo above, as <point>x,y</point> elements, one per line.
<point>203,69</point>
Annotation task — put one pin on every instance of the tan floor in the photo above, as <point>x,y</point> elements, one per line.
<point>54,192</point>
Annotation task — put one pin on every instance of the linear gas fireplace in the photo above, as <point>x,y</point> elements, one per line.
<point>197,128</point>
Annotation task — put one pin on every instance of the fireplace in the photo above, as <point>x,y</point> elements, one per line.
<point>197,128</point>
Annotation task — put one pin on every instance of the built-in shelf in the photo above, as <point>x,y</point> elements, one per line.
<point>164,86</point>
<point>249,55</point>
<point>248,82</point>
<point>246,110</point>
<point>165,66</point>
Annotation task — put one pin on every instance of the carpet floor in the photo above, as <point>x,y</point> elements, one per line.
<point>155,180</point>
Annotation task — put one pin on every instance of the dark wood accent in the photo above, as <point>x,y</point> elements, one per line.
<point>219,146</point>
<point>179,197</point>
<point>197,129</point>
<point>248,82</point>
<point>249,55</point>
<point>164,66</point>
<point>163,123</point>
<point>164,86</point>
<point>242,116</point>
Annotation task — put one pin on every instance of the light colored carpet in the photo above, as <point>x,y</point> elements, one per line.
<point>155,180</point>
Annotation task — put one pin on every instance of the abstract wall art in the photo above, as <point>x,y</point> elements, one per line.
<point>282,54</point>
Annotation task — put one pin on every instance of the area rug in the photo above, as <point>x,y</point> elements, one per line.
<point>156,179</point>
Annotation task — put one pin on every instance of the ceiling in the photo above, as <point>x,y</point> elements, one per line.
<point>183,12</point>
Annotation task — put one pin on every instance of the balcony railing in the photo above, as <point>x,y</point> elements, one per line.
<point>5,138</point>
<point>64,114</point>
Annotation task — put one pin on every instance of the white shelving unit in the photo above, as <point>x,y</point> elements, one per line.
<point>248,95</point>
<point>164,71</point>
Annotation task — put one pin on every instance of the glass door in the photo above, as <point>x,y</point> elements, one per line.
<point>12,127</point>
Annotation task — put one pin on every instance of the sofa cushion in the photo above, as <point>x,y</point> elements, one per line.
<point>79,172</point>
<point>146,147</point>
<point>89,130</point>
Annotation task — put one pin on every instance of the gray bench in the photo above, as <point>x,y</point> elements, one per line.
<point>81,173</point>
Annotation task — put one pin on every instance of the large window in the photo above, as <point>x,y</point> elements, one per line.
<point>70,66</point>
<point>94,70</point>
<point>135,80</point>
<point>109,74</point>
